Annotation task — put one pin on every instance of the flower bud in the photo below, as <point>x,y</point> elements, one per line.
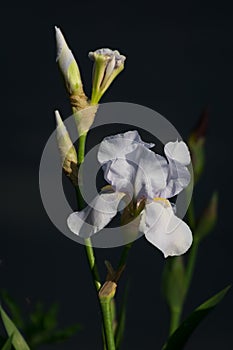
<point>208,219</point>
<point>196,144</point>
<point>67,151</point>
<point>70,72</point>
<point>107,65</point>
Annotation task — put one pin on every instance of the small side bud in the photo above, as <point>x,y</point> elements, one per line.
<point>208,219</point>
<point>70,72</point>
<point>107,65</point>
<point>196,144</point>
<point>67,151</point>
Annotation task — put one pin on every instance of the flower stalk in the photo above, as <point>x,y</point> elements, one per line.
<point>106,295</point>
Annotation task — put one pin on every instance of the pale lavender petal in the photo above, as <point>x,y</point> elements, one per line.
<point>119,145</point>
<point>95,217</point>
<point>164,229</point>
<point>178,179</point>
<point>178,152</point>
<point>178,157</point>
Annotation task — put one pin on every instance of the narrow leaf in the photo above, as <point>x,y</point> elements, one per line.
<point>18,341</point>
<point>8,343</point>
<point>122,318</point>
<point>13,308</point>
<point>2,341</point>
<point>179,338</point>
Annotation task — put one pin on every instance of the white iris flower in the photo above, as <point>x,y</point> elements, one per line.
<point>148,180</point>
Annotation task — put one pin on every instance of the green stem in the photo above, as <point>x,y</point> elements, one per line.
<point>92,263</point>
<point>191,215</point>
<point>191,263</point>
<point>81,204</point>
<point>81,148</point>
<point>124,255</point>
<point>192,257</point>
<point>107,319</point>
<point>175,319</point>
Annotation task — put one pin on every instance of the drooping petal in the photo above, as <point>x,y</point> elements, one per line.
<point>164,229</point>
<point>119,145</point>
<point>95,217</point>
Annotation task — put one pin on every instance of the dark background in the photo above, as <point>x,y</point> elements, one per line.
<point>179,60</point>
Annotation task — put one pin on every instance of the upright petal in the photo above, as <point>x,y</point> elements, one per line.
<point>119,145</point>
<point>96,216</point>
<point>140,173</point>
<point>151,175</point>
<point>178,157</point>
<point>164,229</point>
<point>177,151</point>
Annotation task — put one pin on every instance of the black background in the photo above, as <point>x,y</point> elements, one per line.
<point>179,60</point>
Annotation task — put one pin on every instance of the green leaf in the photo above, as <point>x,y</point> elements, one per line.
<point>8,343</point>
<point>2,341</point>
<point>18,341</point>
<point>13,308</point>
<point>50,318</point>
<point>179,338</point>
<point>122,319</point>
<point>46,336</point>
<point>63,334</point>
<point>36,317</point>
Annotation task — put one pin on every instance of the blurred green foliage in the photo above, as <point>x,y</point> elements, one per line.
<point>40,327</point>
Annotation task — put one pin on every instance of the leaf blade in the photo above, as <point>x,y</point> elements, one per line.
<point>179,338</point>
<point>18,341</point>
<point>8,343</point>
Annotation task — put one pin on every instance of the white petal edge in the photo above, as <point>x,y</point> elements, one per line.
<point>96,216</point>
<point>119,145</point>
<point>164,229</point>
<point>178,151</point>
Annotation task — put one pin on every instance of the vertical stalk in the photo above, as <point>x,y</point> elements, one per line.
<point>175,319</point>
<point>89,249</point>
<point>107,319</point>
<point>108,340</point>
<point>92,263</point>
<point>191,263</point>
<point>124,255</point>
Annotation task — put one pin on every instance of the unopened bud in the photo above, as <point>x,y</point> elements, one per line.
<point>70,71</point>
<point>208,219</point>
<point>196,144</point>
<point>66,148</point>
<point>107,65</point>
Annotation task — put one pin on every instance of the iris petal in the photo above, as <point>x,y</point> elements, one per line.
<point>178,157</point>
<point>95,217</point>
<point>177,151</point>
<point>119,145</point>
<point>164,229</point>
